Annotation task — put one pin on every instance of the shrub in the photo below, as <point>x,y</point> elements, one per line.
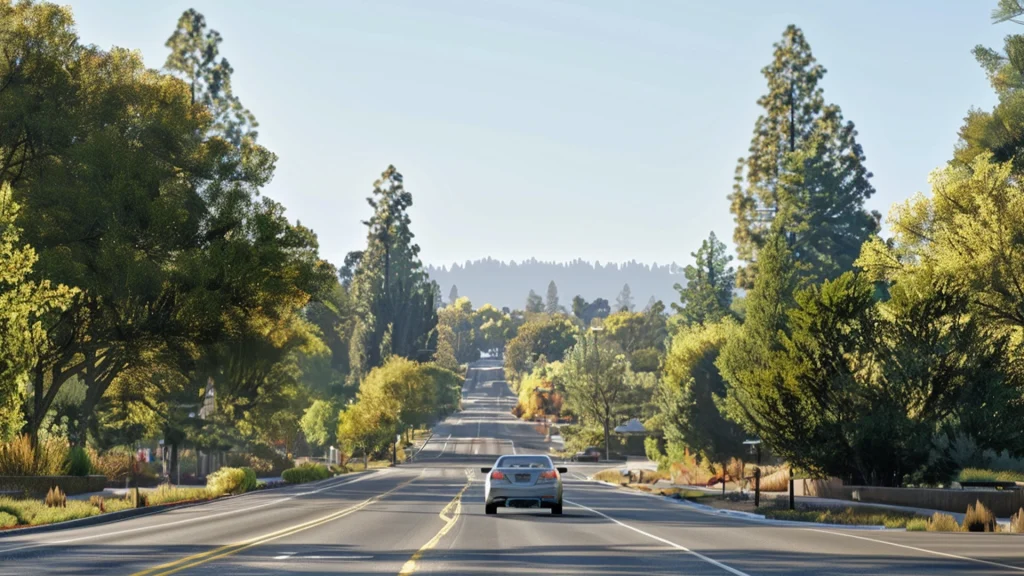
<point>777,481</point>
<point>227,481</point>
<point>917,525</point>
<point>248,481</point>
<point>19,458</point>
<point>852,515</point>
<point>56,498</point>
<point>1017,522</point>
<point>167,494</point>
<point>73,510</point>
<point>136,499</point>
<point>981,475</point>
<point>979,519</point>
<point>7,520</point>
<point>113,464</point>
<point>78,462</point>
<point>688,471</point>
<point>98,502</point>
<point>308,472</point>
<point>116,505</point>
<point>940,522</point>
<point>612,476</point>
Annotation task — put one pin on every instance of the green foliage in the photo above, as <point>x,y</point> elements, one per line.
<point>168,494</point>
<point>692,391</point>
<point>634,331</point>
<point>394,297</point>
<point>226,481</point>
<point>542,335</point>
<point>24,302</point>
<point>8,520</point>
<point>308,472</point>
<point>457,333</point>
<point>587,312</point>
<point>707,296</point>
<point>917,525</point>
<point>79,463</point>
<point>979,519</point>
<point>319,423</point>
<point>248,481</point>
<point>805,171</point>
<point>580,437</point>
<point>979,475</point>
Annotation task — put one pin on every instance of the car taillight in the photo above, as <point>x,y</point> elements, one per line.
<point>497,475</point>
<point>549,475</point>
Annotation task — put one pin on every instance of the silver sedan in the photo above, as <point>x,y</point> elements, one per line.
<point>523,482</point>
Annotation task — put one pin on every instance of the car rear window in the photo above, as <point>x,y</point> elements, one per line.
<point>524,462</point>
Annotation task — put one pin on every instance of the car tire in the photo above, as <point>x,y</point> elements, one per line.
<point>556,510</point>
<point>490,509</point>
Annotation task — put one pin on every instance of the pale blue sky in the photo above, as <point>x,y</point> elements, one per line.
<point>604,130</point>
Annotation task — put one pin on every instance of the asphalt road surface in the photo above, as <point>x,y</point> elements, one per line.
<point>428,517</point>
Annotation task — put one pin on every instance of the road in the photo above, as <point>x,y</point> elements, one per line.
<point>427,517</point>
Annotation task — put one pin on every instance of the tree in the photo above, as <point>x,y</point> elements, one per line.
<point>969,230</point>
<point>319,424</point>
<point>579,304</point>
<point>693,391</point>
<point>624,302</point>
<point>551,303</point>
<point>453,295</point>
<point>534,303</point>
<point>461,333</point>
<point>805,172</point>
<point>493,329</point>
<point>194,57</point>
<point>23,302</point>
<point>394,297</point>
<point>547,336</point>
<point>598,383</point>
<point>707,296</point>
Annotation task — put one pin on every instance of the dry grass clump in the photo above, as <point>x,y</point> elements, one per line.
<point>940,522</point>
<point>979,519</point>
<point>1017,522</point>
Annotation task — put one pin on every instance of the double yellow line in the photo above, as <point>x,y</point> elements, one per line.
<point>454,508</point>
<point>230,549</point>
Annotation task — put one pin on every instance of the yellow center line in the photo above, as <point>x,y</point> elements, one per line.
<point>230,549</point>
<point>455,507</point>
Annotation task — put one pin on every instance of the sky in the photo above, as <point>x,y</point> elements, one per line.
<point>603,130</point>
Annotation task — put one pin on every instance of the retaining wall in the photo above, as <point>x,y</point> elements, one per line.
<point>40,485</point>
<point>1003,503</point>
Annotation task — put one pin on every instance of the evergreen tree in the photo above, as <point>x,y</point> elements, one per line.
<point>805,171</point>
<point>624,302</point>
<point>707,295</point>
<point>579,304</point>
<point>453,294</point>
<point>394,297</point>
<point>194,57</point>
<point>551,303</point>
<point>650,303</point>
<point>534,303</point>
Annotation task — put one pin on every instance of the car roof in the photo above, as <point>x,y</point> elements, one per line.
<point>511,460</point>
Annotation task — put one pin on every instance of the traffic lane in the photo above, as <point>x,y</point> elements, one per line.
<point>757,548</point>
<point>377,539</point>
<point>536,542</point>
<point>140,543</point>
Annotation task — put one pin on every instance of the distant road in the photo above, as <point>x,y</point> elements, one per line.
<point>428,517</point>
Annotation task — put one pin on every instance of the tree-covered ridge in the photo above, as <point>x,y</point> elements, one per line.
<point>506,284</point>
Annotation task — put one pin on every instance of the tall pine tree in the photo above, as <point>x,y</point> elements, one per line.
<point>805,171</point>
<point>393,295</point>
<point>624,302</point>
<point>709,284</point>
<point>551,303</point>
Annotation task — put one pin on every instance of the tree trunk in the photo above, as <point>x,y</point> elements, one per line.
<point>607,452</point>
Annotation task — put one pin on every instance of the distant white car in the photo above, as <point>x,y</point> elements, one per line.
<point>523,482</point>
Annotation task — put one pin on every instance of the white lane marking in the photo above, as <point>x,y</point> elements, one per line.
<point>712,561</point>
<point>284,555</point>
<point>292,557</point>
<point>513,447</point>
<point>925,550</point>
<point>186,520</point>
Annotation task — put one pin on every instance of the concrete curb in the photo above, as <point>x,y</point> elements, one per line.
<point>748,516</point>
<point>146,511</point>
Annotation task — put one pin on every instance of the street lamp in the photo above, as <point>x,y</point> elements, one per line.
<point>755,446</point>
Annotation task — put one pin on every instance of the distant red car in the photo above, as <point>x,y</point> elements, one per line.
<point>591,454</point>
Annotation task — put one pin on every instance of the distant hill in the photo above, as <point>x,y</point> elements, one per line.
<point>490,281</point>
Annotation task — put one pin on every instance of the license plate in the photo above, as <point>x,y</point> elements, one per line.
<point>522,477</point>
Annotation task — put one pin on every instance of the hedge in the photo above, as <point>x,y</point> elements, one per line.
<point>308,472</point>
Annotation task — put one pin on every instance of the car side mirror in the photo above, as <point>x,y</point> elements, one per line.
<point>485,470</point>
<point>562,469</point>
